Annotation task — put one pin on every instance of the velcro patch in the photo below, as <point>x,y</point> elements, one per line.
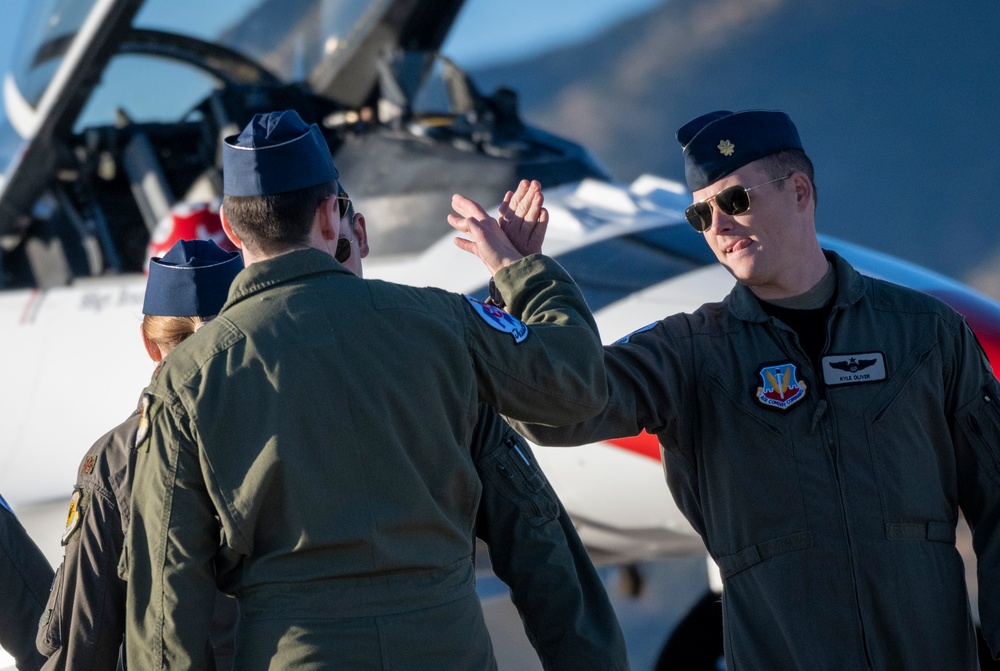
<point>499,319</point>
<point>626,338</point>
<point>854,368</point>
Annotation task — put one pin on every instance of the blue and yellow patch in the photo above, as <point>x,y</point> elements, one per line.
<point>74,515</point>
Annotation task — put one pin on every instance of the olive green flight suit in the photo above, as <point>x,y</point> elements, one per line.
<point>322,425</point>
<point>537,552</point>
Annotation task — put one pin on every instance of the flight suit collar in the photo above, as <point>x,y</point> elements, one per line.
<point>850,287</point>
<point>286,267</point>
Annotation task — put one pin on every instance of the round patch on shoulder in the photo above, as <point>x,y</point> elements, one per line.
<point>499,319</point>
<point>74,515</point>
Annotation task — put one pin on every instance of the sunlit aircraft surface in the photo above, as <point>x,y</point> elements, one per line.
<point>113,112</point>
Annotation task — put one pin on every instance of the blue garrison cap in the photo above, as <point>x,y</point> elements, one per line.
<point>719,143</point>
<point>275,153</point>
<point>191,280</point>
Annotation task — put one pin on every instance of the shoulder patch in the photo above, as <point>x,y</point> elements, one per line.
<point>143,431</point>
<point>624,339</point>
<point>499,319</point>
<point>74,515</point>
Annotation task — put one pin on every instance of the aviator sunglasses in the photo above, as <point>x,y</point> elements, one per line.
<point>732,201</point>
<point>343,244</point>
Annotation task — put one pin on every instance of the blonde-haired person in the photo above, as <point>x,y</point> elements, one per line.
<point>83,623</point>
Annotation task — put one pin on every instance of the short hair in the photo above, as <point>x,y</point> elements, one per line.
<point>269,224</point>
<point>169,332</point>
<point>785,163</point>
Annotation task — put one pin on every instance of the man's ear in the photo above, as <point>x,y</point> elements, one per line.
<point>152,349</point>
<point>230,233</point>
<point>803,190</point>
<point>327,216</point>
<point>360,233</point>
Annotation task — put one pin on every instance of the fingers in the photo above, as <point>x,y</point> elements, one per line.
<point>468,208</point>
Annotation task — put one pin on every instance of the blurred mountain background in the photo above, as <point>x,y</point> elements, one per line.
<point>896,102</point>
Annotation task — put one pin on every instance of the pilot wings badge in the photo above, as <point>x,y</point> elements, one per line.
<point>781,389</point>
<point>854,368</point>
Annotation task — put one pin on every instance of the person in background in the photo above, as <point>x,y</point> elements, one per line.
<point>320,425</point>
<point>820,429</point>
<point>83,625</point>
<point>25,577</point>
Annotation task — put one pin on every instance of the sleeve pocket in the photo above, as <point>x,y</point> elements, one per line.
<point>49,637</point>
<point>980,422</point>
<point>516,476</point>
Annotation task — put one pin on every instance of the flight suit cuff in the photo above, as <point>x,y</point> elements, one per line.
<point>523,279</point>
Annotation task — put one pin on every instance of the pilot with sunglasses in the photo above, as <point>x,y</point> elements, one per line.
<point>820,429</point>
<point>320,426</point>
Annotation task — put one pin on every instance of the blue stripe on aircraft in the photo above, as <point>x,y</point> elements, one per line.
<point>610,270</point>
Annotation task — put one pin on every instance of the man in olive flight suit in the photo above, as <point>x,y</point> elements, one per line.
<point>25,577</point>
<point>321,424</point>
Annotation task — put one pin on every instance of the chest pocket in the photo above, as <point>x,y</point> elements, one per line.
<point>909,439</point>
<point>747,470</point>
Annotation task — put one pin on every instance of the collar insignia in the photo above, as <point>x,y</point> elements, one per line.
<point>854,368</point>
<point>499,319</point>
<point>781,390</point>
<point>726,148</point>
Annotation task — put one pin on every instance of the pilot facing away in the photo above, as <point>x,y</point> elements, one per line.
<point>320,428</point>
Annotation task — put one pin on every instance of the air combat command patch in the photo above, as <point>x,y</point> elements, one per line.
<point>74,515</point>
<point>499,319</point>
<point>780,390</point>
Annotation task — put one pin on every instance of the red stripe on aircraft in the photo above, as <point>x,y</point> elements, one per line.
<point>644,444</point>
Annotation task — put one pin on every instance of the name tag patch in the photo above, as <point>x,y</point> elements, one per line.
<point>854,368</point>
<point>500,320</point>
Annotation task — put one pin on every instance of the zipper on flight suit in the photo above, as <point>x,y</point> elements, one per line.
<point>823,416</point>
<point>832,448</point>
<point>519,484</point>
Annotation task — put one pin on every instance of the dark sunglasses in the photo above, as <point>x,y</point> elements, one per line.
<point>343,244</point>
<point>732,201</point>
<point>344,203</point>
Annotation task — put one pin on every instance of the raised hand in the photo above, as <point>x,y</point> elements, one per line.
<point>523,219</point>
<point>486,239</point>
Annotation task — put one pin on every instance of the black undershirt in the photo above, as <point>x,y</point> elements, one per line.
<point>809,325</point>
<point>807,314</point>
